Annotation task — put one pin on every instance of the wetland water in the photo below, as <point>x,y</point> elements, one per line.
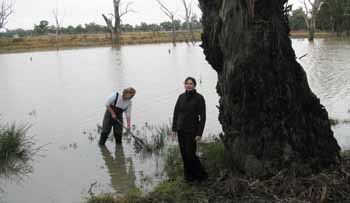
<point>62,95</point>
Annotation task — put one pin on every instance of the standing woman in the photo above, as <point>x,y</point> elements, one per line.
<point>188,124</point>
<point>116,105</point>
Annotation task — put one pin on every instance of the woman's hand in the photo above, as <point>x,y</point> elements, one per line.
<point>114,116</point>
<point>198,138</point>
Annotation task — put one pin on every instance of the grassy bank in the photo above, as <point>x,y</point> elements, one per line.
<point>16,149</point>
<point>305,34</point>
<point>175,189</point>
<point>35,43</point>
<point>89,40</point>
<point>331,185</point>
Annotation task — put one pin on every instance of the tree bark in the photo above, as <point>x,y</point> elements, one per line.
<point>193,38</point>
<point>58,27</point>
<point>110,29</point>
<point>117,21</point>
<point>5,12</point>
<point>312,30</point>
<point>311,23</point>
<point>171,15</point>
<point>173,32</point>
<point>270,117</point>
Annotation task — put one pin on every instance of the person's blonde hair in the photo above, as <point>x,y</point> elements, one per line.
<point>129,90</point>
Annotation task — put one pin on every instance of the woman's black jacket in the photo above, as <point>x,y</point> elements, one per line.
<point>189,113</point>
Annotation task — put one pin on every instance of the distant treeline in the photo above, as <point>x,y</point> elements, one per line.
<point>334,16</point>
<point>43,28</point>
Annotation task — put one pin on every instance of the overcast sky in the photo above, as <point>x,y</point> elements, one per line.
<point>74,12</point>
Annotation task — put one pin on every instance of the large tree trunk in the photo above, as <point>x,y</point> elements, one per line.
<point>270,117</point>
<point>110,29</point>
<point>57,39</point>
<point>173,31</point>
<point>193,38</point>
<point>312,29</point>
<point>117,21</point>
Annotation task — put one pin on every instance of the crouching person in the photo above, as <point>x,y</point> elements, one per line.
<point>116,105</point>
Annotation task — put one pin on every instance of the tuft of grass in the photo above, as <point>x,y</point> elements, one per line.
<point>211,155</point>
<point>103,198</point>
<point>177,191</point>
<point>334,121</point>
<point>155,138</point>
<point>133,196</point>
<point>345,154</point>
<point>174,164</point>
<point>16,149</point>
<point>167,192</point>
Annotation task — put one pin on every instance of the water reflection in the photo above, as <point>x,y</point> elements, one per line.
<point>327,67</point>
<point>120,170</point>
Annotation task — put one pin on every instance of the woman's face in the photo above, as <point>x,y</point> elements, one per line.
<point>189,85</point>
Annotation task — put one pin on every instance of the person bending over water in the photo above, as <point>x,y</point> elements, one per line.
<point>116,105</point>
<point>188,125</point>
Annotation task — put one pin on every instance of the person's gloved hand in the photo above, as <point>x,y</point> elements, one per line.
<point>128,130</point>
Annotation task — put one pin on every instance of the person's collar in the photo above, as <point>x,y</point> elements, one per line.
<point>191,92</point>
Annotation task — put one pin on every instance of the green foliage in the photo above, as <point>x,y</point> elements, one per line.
<point>167,26</point>
<point>178,191</point>
<point>296,20</point>
<point>79,29</point>
<point>42,28</point>
<point>92,28</point>
<point>335,16</point>
<point>345,154</point>
<point>104,198</point>
<point>177,24</point>
<point>133,196</point>
<point>213,157</point>
<point>211,154</point>
<point>174,165</point>
<point>126,28</point>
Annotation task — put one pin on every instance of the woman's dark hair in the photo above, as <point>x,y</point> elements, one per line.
<point>192,79</point>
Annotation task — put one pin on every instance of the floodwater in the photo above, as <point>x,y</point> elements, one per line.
<point>62,95</point>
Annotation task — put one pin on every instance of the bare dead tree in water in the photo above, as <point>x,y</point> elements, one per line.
<point>171,15</point>
<point>116,17</point>
<point>6,10</point>
<point>311,14</point>
<point>58,23</point>
<point>188,18</point>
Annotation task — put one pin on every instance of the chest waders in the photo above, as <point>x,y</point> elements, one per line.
<point>109,123</point>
